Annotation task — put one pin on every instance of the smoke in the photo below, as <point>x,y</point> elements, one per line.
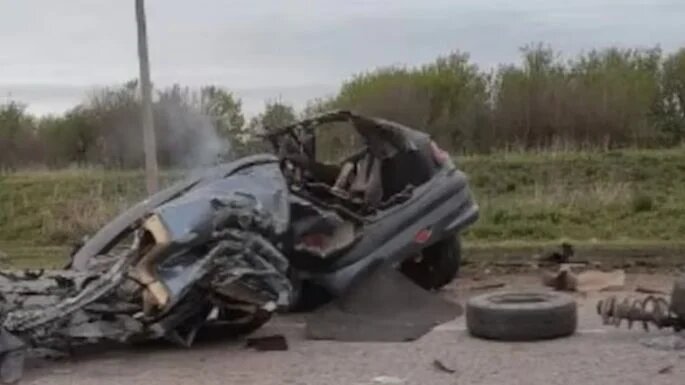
<point>187,137</point>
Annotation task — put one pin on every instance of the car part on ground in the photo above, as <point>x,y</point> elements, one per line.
<point>566,279</point>
<point>521,316</point>
<point>649,310</point>
<point>226,248</point>
<point>268,343</point>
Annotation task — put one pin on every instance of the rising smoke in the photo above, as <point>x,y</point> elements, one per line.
<point>188,138</point>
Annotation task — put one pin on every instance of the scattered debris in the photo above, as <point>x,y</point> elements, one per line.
<point>387,380</point>
<point>666,370</point>
<point>647,311</point>
<point>646,263</point>
<point>563,256</point>
<point>488,286</point>
<point>437,364</point>
<point>652,310</point>
<point>647,290</point>
<point>587,281</point>
<point>268,343</point>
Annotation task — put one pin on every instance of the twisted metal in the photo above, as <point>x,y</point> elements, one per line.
<point>650,310</point>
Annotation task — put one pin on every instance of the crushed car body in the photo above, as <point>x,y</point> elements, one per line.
<point>233,244</point>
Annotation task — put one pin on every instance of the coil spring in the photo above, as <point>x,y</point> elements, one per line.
<point>649,310</point>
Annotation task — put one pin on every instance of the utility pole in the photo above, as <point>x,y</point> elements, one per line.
<point>149,142</point>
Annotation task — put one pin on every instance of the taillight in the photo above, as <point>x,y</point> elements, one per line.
<point>423,236</point>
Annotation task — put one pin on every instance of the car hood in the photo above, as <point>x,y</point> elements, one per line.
<point>259,191</point>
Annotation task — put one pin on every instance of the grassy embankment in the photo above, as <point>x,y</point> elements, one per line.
<point>627,201</point>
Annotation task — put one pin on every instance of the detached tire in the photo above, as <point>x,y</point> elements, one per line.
<point>438,266</point>
<point>521,316</point>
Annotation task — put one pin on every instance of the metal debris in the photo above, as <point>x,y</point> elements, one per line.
<point>565,279</point>
<point>437,364</point>
<point>268,343</point>
<point>647,311</point>
<point>562,256</point>
<point>666,369</point>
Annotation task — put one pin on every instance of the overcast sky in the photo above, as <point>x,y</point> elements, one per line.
<point>52,52</point>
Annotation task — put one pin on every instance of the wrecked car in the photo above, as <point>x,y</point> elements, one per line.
<point>233,244</point>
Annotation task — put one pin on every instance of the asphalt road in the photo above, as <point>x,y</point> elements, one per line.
<point>597,354</point>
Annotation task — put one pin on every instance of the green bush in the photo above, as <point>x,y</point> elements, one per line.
<point>642,202</point>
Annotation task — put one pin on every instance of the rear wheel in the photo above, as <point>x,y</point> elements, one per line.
<point>437,265</point>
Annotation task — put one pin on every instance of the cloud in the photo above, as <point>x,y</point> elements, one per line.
<point>287,45</point>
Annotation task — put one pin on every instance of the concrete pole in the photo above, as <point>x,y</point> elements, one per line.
<point>149,142</point>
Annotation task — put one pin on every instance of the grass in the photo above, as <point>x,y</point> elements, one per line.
<point>612,198</point>
<point>25,256</point>
<point>619,253</point>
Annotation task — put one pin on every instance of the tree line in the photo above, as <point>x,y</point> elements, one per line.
<point>601,99</point>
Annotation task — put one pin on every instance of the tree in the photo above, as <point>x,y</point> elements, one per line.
<point>447,98</point>
<point>277,114</point>
<point>115,112</point>
<point>225,110</point>
<point>670,106</point>
<point>70,139</point>
<point>197,127</point>
<point>16,135</point>
<point>317,106</point>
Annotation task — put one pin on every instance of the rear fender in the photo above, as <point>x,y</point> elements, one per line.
<point>404,244</point>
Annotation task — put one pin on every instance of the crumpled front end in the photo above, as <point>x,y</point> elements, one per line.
<point>225,232</point>
<point>209,256</point>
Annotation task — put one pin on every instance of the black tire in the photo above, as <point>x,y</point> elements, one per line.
<point>439,264</point>
<point>521,316</point>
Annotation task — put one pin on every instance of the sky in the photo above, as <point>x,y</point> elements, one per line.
<point>52,53</point>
